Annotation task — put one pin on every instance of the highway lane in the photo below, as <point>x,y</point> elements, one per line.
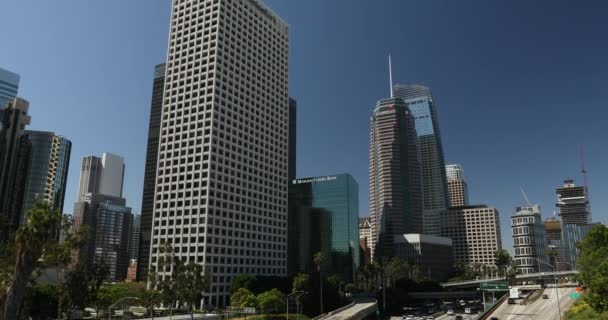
<point>541,309</point>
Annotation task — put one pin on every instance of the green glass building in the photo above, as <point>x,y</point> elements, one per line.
<point>324,218</point>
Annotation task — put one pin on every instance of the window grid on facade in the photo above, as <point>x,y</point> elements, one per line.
<point>221,188</point>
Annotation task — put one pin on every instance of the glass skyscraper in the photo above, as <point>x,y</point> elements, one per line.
<point>47,170</point>
<point>435,191</point>
<point>9,85</point>
<point>326,212</point>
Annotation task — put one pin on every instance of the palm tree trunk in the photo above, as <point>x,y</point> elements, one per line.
<point>24,266</point>
<point>321,290</point>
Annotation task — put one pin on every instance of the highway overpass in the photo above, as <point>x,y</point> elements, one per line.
<point>547,277</point>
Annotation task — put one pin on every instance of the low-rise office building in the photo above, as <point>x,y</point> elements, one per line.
<point>432,254</point>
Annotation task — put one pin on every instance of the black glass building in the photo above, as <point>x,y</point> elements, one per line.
<point>147,202</point>
<point>325,218</point>
<point>420,102</point>
<point>47,169</point>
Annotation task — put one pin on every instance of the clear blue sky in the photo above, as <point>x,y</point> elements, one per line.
<point>519,84</point>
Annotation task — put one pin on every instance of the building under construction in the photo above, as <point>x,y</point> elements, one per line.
<point>573,203</point>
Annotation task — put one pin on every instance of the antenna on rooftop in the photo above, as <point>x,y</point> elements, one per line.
<point>390,74</point>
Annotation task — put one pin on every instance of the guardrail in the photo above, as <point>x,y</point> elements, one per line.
<point>488,312</point>
<point>331,313</point>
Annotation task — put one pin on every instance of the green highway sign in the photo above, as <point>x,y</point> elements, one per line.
<point>574,295</point>
<point>493,286</point>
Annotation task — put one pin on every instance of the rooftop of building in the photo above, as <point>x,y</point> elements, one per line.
<point>422,238</point>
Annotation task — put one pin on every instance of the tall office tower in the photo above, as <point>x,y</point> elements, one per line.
<point>475,234</point>
<point>109,221</point>
<point>435,190</point>
<point>13,120</point>
<point>9,86</point>
<point>223,152</point>
<point>573,203</point>
<point>457,187</point>
<point>327,219</point>
<point>101,175</point>
<point>134,236</point>
<point>292,225</point>
<point>529,240</point>
<point>47,170</point>
<point>101,207</point>
<point>394,176</point>
<point>147,201</point>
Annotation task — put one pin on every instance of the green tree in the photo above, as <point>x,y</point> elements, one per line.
<point>151,297</point>
<point>44,301</point>
<point>503,260</point>
<point>39,232</point>
<point>319,260</point>
<point>82,285</point>
<point>243,298</point>
<point>593,267</point>
<point>167,284</point>
<point>247,281</point>
<point>301,282</point>
<point>191,282</point>
<point>271,301</point>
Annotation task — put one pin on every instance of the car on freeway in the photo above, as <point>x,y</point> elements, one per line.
<point>545,296</point>
<point>494,318</point>
<point>450,312</point>
<point>459,317</point>
<point>511,301</point>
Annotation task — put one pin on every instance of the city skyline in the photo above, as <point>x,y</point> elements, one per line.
<point>321,127</point>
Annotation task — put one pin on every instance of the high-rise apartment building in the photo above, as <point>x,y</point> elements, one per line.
<point>48,158</point>
<point>9,87</point>
<point>529,240</point>
<point>13,120</point>
<point>326,212</point>
<point>421,104</point>
<point>394,176</point>
<point>222,172</point>
<point>573,203</point>
<point>457,186</point>
<point>475,234</point>
<point>147,201</point>
<point>102,175</point>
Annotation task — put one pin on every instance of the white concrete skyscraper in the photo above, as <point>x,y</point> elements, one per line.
<point>222,173</point>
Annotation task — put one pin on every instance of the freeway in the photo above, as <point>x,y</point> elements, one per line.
<point>541,309</point>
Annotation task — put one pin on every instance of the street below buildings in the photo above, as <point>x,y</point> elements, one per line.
<point>541,309</point>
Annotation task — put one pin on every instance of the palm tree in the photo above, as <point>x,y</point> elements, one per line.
<point>319,260</point>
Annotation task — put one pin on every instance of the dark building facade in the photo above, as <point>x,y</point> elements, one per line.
<point>47,169</point>
<point>435,191</point>
<point>432,254</point>
<point>13,120</point>
<point>326,212</point>
<point>573,203</point>
<point>394,175</point>
<point>147,203</point>
<point>110,222</point>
